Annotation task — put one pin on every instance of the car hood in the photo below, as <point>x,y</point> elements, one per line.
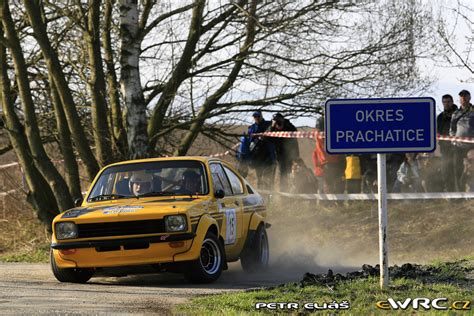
<point>134,209</point>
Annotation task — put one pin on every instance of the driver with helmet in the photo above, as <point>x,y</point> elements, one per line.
<point>190,182</point>
<point>140,183</point>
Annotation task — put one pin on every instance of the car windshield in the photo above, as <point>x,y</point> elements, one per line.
<point>158,178</point>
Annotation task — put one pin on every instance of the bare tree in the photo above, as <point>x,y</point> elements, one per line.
<point>50,55</point>
<point>40,194</point>
<point>463,15</point>
<point>130,79</point>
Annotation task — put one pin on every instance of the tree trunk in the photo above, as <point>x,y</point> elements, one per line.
<point>71,169</point>
<point>97,86</point>
<point>130,80</point>
<point>211,102</point>
<point>41,159</point>
<point>117,130</point>
<point>40,195</point>
<point>54,67</point>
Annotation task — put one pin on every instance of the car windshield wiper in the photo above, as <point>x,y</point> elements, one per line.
<point>104,197</point>
<point>156,193</point>
<point>187,192</point>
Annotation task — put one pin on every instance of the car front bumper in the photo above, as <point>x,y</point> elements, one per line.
<point>121,252</point>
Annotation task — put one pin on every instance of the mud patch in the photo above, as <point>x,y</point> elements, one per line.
<point>460,272</point>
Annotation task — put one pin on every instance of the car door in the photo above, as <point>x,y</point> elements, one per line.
<point>231,228</point>
<point>238,192</point>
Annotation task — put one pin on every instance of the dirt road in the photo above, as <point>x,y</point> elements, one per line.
<point>32,289</point>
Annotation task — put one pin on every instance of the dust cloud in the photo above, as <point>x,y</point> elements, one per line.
<point>307,236</point>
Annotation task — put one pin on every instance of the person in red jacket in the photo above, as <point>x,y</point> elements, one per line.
<point>329,169</point>
<point>317,163</point>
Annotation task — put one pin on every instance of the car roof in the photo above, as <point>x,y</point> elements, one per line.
<point>203,159</point>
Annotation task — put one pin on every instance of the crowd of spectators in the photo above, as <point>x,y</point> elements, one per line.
<point>452,170</point>
<point>266,154</point>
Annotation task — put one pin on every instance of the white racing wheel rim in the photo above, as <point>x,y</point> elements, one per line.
<point>210,256</point>
<point>264,251</point>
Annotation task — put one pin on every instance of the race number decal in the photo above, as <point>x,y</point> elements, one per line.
<point>231,226</point>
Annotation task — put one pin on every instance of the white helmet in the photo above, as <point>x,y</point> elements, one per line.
<point>144,179</point>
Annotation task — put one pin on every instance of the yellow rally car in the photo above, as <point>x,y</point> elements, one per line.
<point>187,214</point>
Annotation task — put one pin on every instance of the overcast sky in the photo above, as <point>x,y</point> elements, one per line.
<point>448,79</point>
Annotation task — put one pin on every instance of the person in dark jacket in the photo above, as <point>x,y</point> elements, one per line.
<point>262,152</point>
<point>443,124</point>
<point>287,149</point>
<point>462,125</point>
<point>243,155</point>
<point>302,178</point>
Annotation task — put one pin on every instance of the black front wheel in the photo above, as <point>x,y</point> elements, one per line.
<point>256,255</point>
<point>72,275</point>
<point>208,267</point>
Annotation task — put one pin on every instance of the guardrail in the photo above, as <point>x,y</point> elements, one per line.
<point>373,196</point>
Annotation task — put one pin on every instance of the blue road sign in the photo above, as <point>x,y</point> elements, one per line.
<point>380,125</point>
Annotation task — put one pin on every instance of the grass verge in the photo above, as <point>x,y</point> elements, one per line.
<point>38,255</point>
<point>23,238</point>
<point>451,280</point>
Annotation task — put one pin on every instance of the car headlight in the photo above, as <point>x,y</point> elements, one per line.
<point>176,223</point>
<point>66,230</point>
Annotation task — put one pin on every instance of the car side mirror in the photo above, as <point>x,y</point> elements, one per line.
<point>78,201</point>
<point>219,194</point>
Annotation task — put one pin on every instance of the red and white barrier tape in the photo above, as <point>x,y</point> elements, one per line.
<point>220,154</point>
<point>227,152</point>
<point>297,134</point>
<point>372,196</point>
<point>14,164</point>
<point>2,194</point>
<point>313,134</point>
<point>456,139</point>
<point>8,165</point>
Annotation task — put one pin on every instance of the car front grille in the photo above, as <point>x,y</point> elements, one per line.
<point>121,228</point>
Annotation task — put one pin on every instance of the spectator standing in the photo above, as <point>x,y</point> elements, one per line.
<point>443,124</point>
<point>330,167</point>
<point>262,152</point>
<point>302,179</point>
<point>394,161</point>
<point>408,176</point>
<point>287,149</point>
<point>431,167</point>
<point>243,155</point>
<point>468,174</point>
<point>462,125</point>
<point>368,166</point>
<point>318,158</point>
<point>353,174</point>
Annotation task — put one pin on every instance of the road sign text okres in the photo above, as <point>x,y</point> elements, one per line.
<point>380,125</point>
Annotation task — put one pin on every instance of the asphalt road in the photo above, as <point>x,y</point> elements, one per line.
<point>32,289</point>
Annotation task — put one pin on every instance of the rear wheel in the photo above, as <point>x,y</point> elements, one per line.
<point>72,275</point>
<point>256,256</point>
<point>208,267</point>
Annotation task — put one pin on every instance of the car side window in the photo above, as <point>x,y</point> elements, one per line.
<point>104,185</point>
<point>250,190</point>
<point>234,181</point>
<point>215,179</point>
<point>220,179</point>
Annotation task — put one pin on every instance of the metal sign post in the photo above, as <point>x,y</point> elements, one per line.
<point>357,126</point>
<point>382,198</point>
